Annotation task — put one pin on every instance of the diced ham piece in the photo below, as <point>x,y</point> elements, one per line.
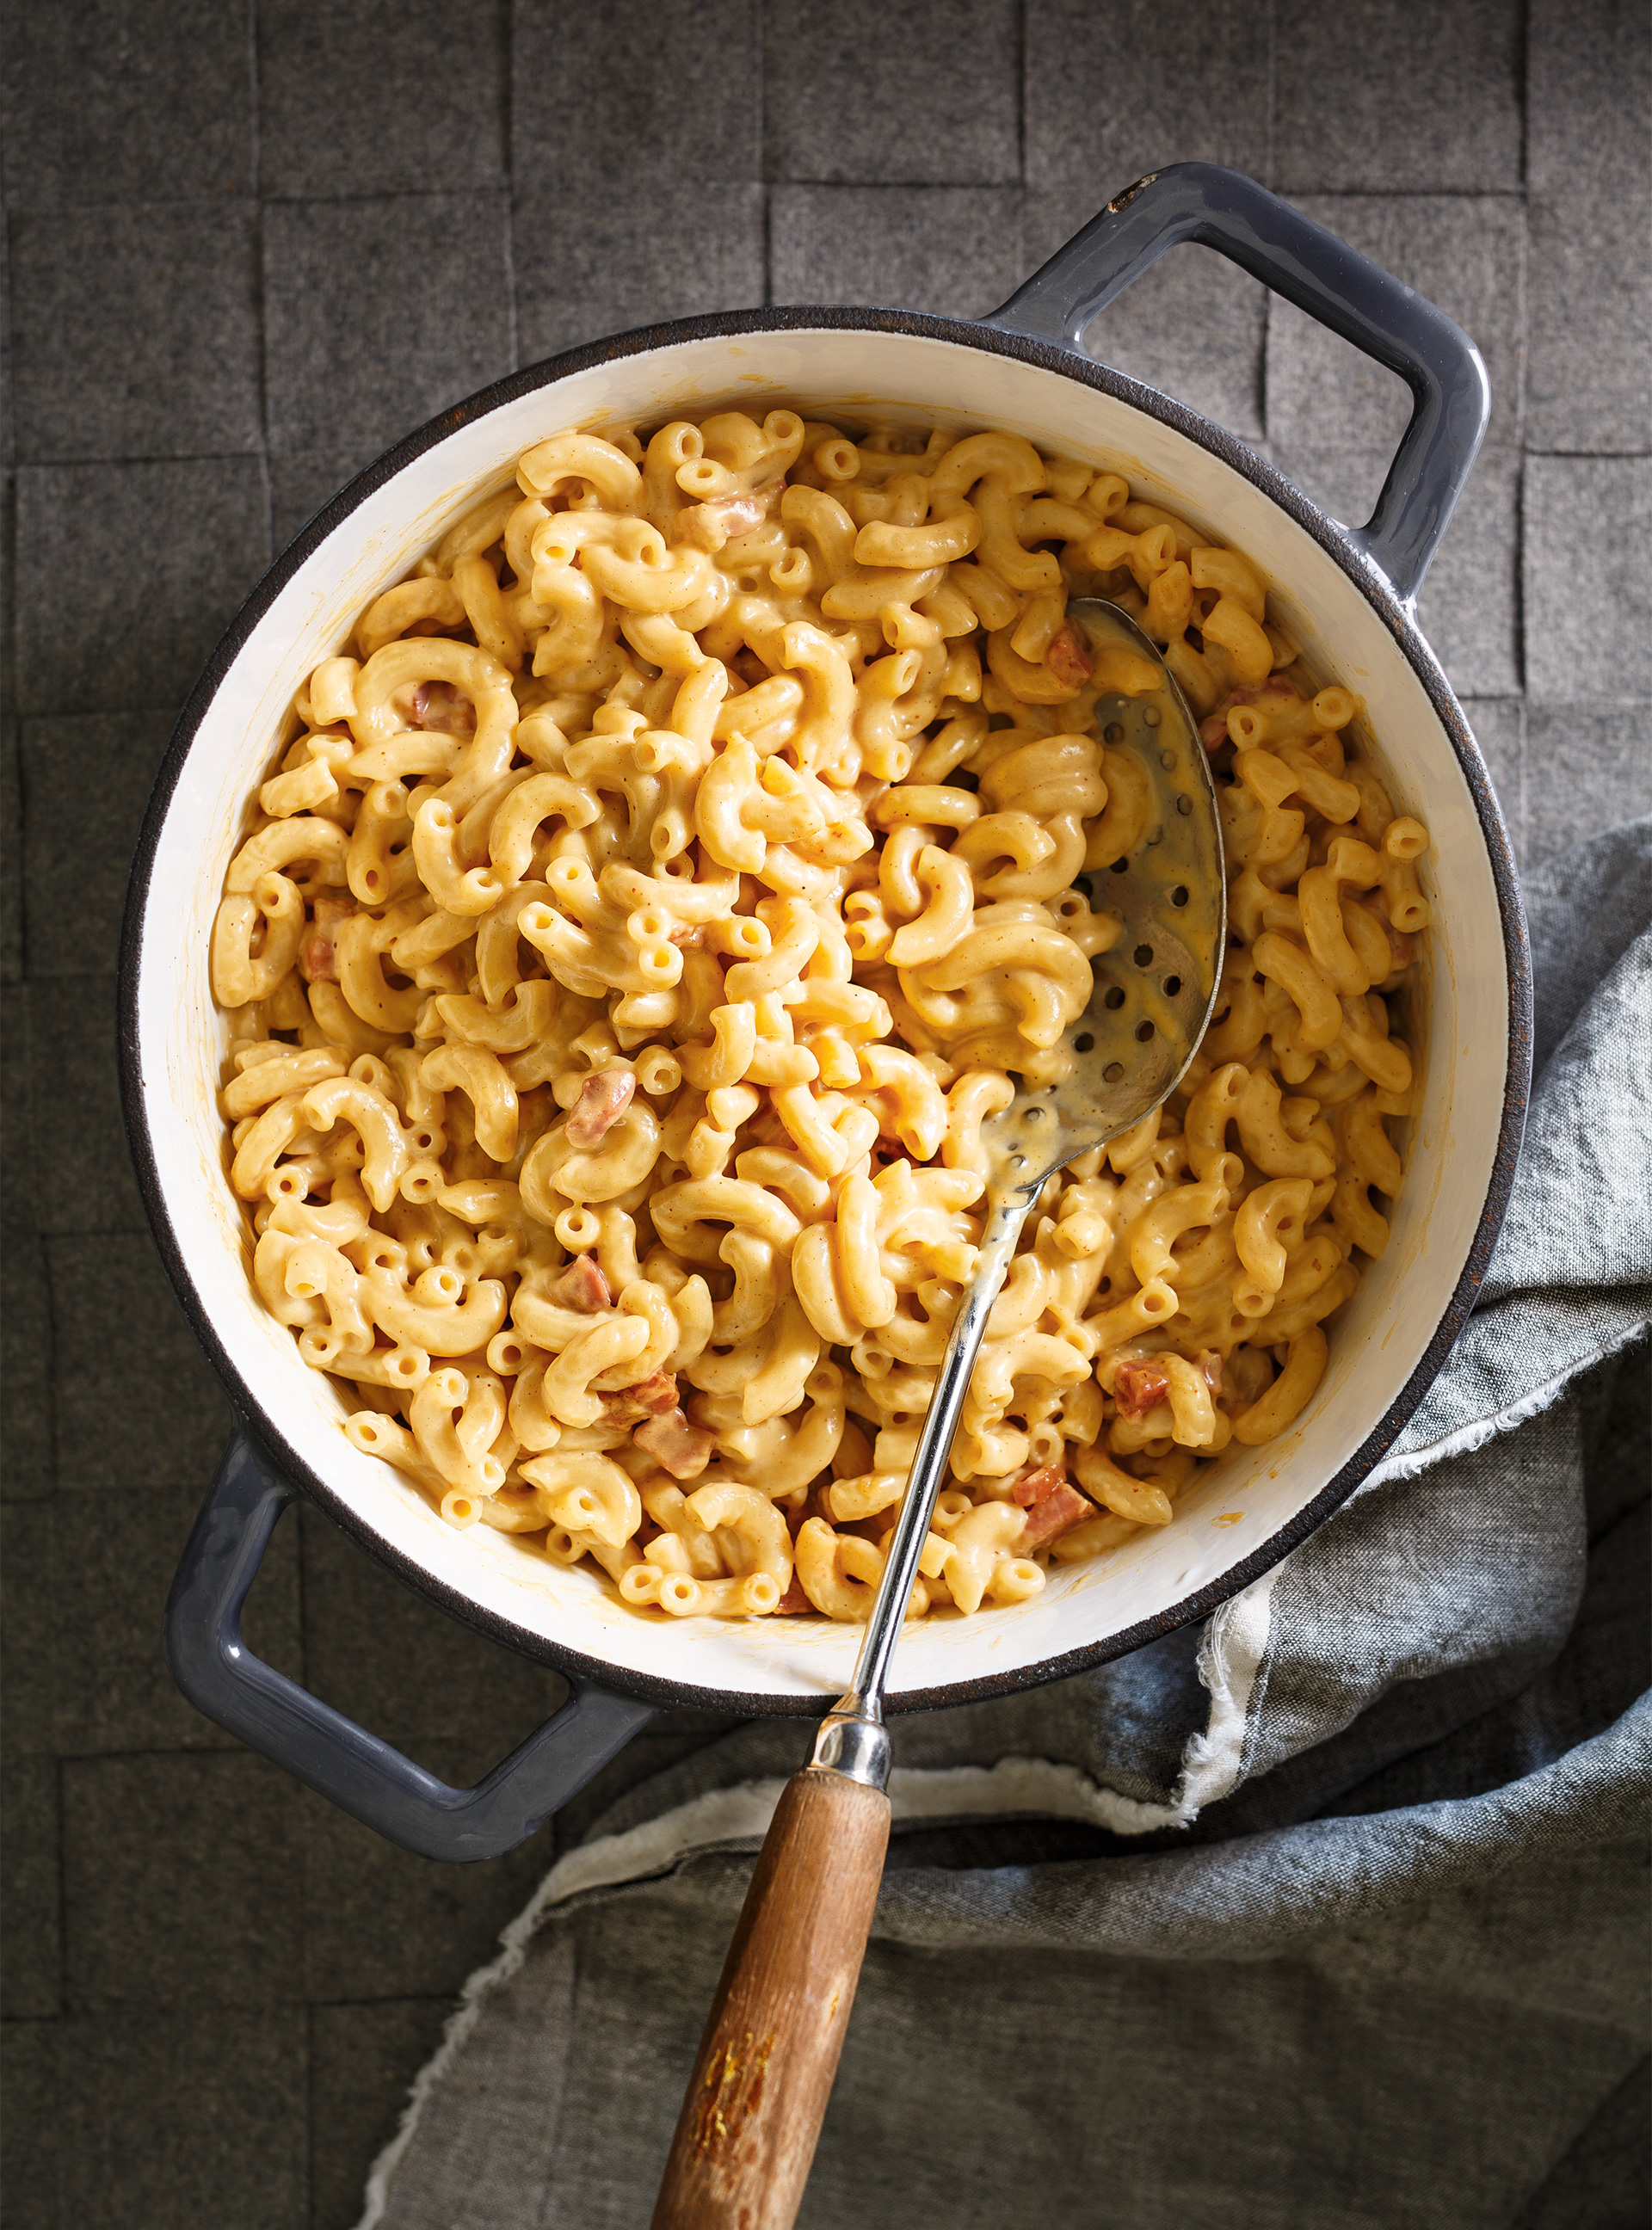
<point>1140,1385</point>
<point>1052,1514</point>
<point>318,960</point>
<point>655,1396</point>
<point>684,1449</point>
<point>739,514</point>
<point>1213,732</point>
<point>439,707</point>
<point>1251,1372</point>
<point>1033,1486</point>
<point>1208,1363</point>
<point>620,1409</point>
<point>1068,660</point>
<point>582,1286</point>
<point>602,1099</point>
<point>725,518</point>
<point>794,1603</point>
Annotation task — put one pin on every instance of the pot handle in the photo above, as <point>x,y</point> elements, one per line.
<point>1225,211</point>
<point>321,1747</point>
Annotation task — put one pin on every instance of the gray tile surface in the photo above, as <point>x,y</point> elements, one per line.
<point>1589,373</point>
<point>136,1402</point>
<point>1587,769</point>
<point>31,1983</point>
<point>134,331</point>
<point>663,1742</point>
<point>11,951</point>
<point>86,783</point>
<point>1587,572</point>
<point>379,313</point>
<point>25,1314</point>
<point>181,1883</point>
<point>300,481</point>
<point>381,99</point>
<point>380,1923</point>
<point>185,2119</point>
<point>593,259</point>
<point>246,245</point>
<point>106,1580</point>
<point>953,249</point>
<point>82,1167</point>
<point>1469,605</point>
<point>363,2060</point>
<point>30,2135</point>
<point>108,102</point>
<point>25,1361</point>
<point>1153,82</point>
<point>842,98</point>
<point>387,1657</point>
<point>1344,481</point>
<point>127,573</point>
<point>1193,326</point>
<point>1465,252</point>
<point>1588,94</point>
<point>1373,98</point>
<point>18,1204</point>
<point>27,1632</point>
<point>626,95</point>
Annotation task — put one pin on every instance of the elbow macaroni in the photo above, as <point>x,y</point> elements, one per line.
<point>648,911</point>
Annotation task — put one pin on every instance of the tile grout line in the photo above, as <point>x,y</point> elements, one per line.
<point>63,1888</point>
<point>260,305</point>
<point>1022,93</point>
<point>764,181</point>
<point>1269,132</point>
<point>1522,358</point>
<point>507,125</point>
<point>1270,128</point>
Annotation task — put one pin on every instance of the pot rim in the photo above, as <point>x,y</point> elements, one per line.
<point>992,339</point>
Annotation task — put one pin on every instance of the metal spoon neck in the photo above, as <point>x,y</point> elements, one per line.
<point>854,1742</point>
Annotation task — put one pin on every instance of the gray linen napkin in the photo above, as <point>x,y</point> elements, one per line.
<point>1324,1914</point>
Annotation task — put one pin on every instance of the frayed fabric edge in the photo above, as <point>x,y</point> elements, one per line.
<point>723,1817</point>
<point>1467,1438</point>
<point>1229,1659</point>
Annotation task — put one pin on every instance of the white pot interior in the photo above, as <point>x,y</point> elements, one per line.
<point>1378,1339</point>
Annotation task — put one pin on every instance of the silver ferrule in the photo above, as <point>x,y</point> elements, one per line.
<point>854,1742</point>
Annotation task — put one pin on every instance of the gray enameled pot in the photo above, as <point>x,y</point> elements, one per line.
<point>1348,596</point>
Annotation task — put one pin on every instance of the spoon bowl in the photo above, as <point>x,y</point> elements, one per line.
<point>1156,982</point>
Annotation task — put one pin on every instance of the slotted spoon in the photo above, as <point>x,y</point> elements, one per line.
<point>746,2138</point>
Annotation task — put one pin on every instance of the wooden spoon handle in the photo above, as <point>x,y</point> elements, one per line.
<point>746,2134</point>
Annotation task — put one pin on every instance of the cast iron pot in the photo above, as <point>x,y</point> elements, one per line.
<point>1347,596</point>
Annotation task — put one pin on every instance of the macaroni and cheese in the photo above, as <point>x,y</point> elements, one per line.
<point>649,906</point>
